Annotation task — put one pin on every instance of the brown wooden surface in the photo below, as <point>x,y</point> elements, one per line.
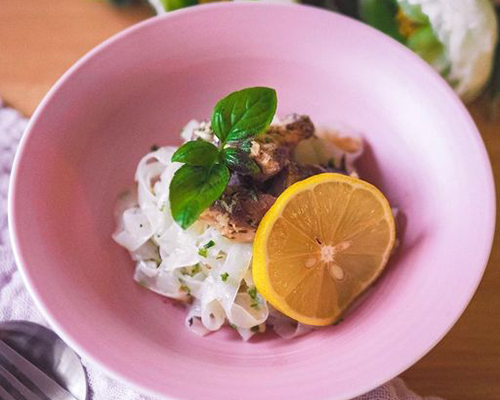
<point>40,39</point>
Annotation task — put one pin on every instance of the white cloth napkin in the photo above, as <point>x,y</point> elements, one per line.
<point>16,304</point>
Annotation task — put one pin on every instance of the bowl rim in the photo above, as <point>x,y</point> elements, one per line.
<point>121,376</point>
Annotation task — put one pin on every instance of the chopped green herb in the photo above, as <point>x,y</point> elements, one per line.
<point>156,261</point>
<point>233,326</point>
<point>186,289</point>
<point>255,328</point>
<point>143,284</point>
<point>211,243</point>
<point>252,292</point>
<point>163,207</point>
<point>203,252</point>
<point>219,257</point>
<point>224,276</point>
<point>195,270</point>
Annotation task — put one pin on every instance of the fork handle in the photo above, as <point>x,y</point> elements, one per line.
<point>41,380</point>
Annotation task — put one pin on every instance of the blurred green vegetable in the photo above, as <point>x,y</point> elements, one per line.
<point>494,84</point>
<point>456,37</point>
<point>170,5</point>
<point>381,14</point>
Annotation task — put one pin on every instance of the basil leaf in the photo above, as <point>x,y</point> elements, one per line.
<point>245,113</point>
<point>193,189</point>
<point>240,161</point>
<point>381,14</point>
<point>196,152</point>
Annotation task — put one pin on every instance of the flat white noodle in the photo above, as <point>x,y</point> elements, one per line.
<point>136,229</point>
<point>242,313</point>
<point>193,320</point>
<point>246,334</point>
<point>177,248</point>
<point>187,131</point>
<point>219,294</point>
<point>212,315</point>
<point>285,327</point>
<point>165,283</point>
<point>147,252</point>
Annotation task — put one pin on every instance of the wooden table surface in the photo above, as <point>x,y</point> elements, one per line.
<point>40,39</point>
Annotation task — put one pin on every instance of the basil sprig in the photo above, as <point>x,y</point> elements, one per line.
<point>207,167</point>
<point>244,114</point>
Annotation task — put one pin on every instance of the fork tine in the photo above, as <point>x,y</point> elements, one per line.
<point>4,395</point>
<point>43,382</point>
<point>16,384</point>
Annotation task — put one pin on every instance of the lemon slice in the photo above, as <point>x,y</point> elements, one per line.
<point>323,242</point>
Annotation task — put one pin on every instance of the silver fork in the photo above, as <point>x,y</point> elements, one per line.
<point>27,379</point>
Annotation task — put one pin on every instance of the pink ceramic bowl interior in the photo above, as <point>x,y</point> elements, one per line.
<point>140,88</point>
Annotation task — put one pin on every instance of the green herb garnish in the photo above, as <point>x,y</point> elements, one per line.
<point>211,243</point>
<point>206,170</point>
<point>204,250</point>
<point>196,269</point>
<point>255,328</point>
<point>224,276</point>
<point>252,292</point>
<point>184,287</point>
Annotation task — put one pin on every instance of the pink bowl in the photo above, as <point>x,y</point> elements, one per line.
<point>139,88</point>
